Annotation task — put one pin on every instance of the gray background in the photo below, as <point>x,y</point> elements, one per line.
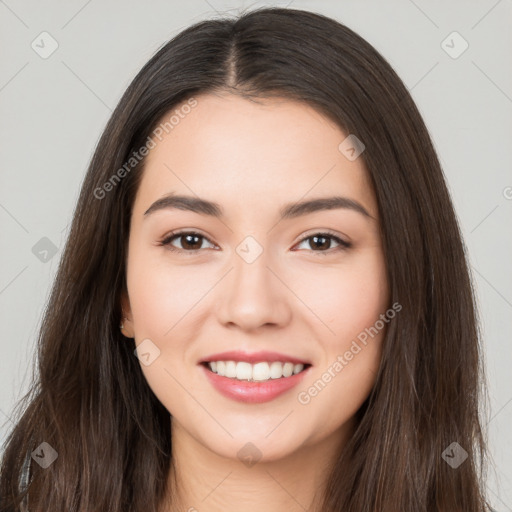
<point>53,110</point>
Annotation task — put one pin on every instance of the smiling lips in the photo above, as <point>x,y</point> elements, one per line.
<point>253,377</point>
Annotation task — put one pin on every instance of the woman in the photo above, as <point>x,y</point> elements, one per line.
<point>264,301</point>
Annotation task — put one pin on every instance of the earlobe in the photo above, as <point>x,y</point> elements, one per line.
<point>125,329</point>
<point>125,325</point>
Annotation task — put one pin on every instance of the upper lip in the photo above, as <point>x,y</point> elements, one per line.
<point>253,357</point>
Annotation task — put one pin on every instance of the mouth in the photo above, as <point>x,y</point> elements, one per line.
<point>259,372</point>
<point>257,387</point>
<point>254,377</point>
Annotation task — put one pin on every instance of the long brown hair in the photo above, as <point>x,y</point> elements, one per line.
<point>91,403</point>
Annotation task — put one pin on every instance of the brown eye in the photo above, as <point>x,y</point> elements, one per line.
<point>322,241</point>
<point>190,241</point>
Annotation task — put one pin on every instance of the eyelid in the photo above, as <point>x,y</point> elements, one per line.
<point>327,232</point>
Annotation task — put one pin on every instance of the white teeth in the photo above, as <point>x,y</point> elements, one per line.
<point>258,372</point>
<point>243,371</point>
<point>261,371</point>
<point>276,370</point>
<point>230,370</point>
<point>288,369</point>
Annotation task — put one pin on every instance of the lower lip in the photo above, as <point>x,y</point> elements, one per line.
<point>253,392</point>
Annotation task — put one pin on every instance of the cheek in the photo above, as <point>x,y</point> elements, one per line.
<point>162,300</point>
<point>163,294</point>
<point>347,298</point>
<point>359,298</point>
<point>353,301</point>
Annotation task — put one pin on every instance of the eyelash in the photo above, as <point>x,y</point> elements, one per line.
<point>343,245</point>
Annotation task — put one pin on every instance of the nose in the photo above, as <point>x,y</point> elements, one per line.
<point>253,295</point>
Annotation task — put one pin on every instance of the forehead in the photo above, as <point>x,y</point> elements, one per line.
<point>258,154</point>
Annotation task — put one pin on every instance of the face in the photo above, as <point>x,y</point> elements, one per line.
<point>309,285</point>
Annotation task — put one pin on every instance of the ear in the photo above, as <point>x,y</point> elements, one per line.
<point>126,316</point>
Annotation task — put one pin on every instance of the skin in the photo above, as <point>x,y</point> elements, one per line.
<point>300,298</point>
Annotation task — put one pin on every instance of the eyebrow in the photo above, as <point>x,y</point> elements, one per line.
<point>289,211</point>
